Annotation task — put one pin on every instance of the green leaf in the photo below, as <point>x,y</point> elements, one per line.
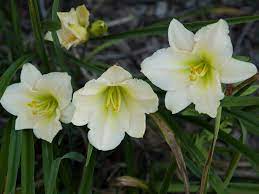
<point>13,160</point>
<point>250,90</point>
<point>170,139</point>
<point>195,164</point>
<point>55,168</point>
<point>47,159</point>
<point>240,101</point>
<point>167,178</point>
<point>242,58</point>
<point>248,119</point>
<point>4,154</point>
<point>207,166</point>
<point>87,177</point>
<point>86,65</point>
<point>48,25</point>
<point>247,152</point>
<point>234,188</point>
<point>18,44</point>
<point>57,47</point>
<point>27,162</point>
<point>162,29</point>
<point>37,31</point>
<point>10,72</point>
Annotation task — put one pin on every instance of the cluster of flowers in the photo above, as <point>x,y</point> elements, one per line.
<point>191,70</point>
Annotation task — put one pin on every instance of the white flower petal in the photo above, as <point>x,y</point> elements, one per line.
<point>68,18</point>
<point>206,97</point>
<point>47,129</point>
<point>137,124</point>
<point>30,74</point>
<point>15,98</point>
<point>176,101</point>
<point>83,15</point>
<point>25,121</point>
<point>140,91</point>
<point>107,129</point>
<point>214,40</point>
<point>57,84</point>
<point>85,107</point>
<point>93,87</point>
<point>179,36</point>
<point>115,75</point>
<point>166,68</point>
<point>67,113</point>
<point>48,36</point>
<point>235,71</point>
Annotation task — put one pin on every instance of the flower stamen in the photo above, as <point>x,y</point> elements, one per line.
<point>113,99</point>
<point>43,105</point>
<point>198,71</point>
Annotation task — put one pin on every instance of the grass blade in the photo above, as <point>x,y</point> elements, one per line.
<point>18,44</point>
<point>162,29</point>
<point>57,47</point>
<point>87,177</point>
<point>10,72</point>
<point>4,154</point>
<point>175,148</point>
<point>36,27</point>
<point>13,160</point>
<point>234,188</point>
<point>55,168</point>
<point>247,152</point>
<point>240,101</point>
<point>129,160</point>
<point>47,159</point>
<point>204,180</point>
<point>27,162</point>
<point>87,66</point>
<point>167,178</point>
<point>197,158</point>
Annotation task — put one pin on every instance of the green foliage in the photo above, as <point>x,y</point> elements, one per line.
<point>190,151</point>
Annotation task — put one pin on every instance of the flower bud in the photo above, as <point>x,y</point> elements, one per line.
<point>98,28</point>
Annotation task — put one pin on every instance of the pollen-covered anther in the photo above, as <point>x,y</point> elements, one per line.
<point>198,71</point>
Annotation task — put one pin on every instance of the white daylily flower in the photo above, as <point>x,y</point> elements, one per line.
<point>40,102</point>
<point>192,69</point>
<point>113,104</point>
<point>74,26</point>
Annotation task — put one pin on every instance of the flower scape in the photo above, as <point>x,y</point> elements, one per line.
<point>91,111</point>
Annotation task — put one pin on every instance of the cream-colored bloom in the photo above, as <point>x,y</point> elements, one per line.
<point>192,69</point>
<point>113,104</point>
<point>74,26</point>
<point>40,102</point>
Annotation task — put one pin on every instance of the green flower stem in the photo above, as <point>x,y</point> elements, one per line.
<point>47,159</point>
<point>27,163</point>
<point>235,160</point>
<point>87,177</point>
<point>204,180</point>
<point>13,160</point>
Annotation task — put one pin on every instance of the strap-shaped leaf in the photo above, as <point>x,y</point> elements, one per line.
<point>55,168</point>
<point>10,72</point>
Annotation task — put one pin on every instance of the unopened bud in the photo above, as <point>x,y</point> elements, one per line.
<point>98,28</point>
